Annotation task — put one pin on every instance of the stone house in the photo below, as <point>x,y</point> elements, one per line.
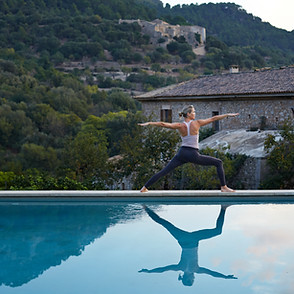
<point>264,99</point>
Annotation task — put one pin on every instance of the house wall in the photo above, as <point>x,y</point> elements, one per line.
<point>254,114</point>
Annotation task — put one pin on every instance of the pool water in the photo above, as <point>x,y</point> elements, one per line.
<point>124,248</point>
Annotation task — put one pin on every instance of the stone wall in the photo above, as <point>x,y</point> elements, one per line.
<point>254,114</point>
<point>252,173</point>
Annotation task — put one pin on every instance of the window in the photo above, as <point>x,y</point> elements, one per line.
<point>166,114</point>
<point>215,124</point>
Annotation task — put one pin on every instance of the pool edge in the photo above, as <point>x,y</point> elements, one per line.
<point>171,196</point>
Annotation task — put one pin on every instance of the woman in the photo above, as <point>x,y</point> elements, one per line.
<point>189,151</point>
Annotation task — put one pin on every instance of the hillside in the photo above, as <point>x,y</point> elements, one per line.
<point>88,29</point>
<point>68,70</point>
<point>234,26</point>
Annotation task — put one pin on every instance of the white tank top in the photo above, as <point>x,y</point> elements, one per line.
<point>190,140</point>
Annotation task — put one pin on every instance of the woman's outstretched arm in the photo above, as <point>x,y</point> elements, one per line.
<point>203,270</point>
<point>172,267</point>
<point>203,122</point>
<point>162,124</point>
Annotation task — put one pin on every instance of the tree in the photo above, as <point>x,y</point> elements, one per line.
<point>280,159</point>
<point>36,156</point>
<point>121,101</point>
<point>5,179</point>
<point>87,155</point>
<point>15,126</point>
<point>115,125</point>
<point>155,67</point>
<point>173,47</point>
<point>126,70</point>
<point>188,56</point>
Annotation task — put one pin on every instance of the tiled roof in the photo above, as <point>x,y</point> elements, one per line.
<point>273,81</point>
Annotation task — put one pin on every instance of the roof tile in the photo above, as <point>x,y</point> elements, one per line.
<point>258,82</point>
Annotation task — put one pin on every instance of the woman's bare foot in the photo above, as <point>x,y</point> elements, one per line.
<point>227,189</point>
<point>144,189</point>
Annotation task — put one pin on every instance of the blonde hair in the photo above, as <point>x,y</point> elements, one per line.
<point>186,110</point>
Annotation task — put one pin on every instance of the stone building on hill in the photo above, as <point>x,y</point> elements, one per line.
<point>264,99</point>
<point>158,29</point>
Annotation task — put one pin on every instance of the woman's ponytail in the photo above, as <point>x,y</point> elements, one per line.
<point>186,110</point>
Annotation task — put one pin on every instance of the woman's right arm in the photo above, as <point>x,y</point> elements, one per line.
<point>162,124</point>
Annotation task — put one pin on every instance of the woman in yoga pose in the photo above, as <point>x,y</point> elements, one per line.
<point>189,151</point>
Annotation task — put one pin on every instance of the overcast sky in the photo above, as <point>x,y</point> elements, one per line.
<point>278,13</point>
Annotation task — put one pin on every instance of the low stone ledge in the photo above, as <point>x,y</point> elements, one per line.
<point>159,196</point>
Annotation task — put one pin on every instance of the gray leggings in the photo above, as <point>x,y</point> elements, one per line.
<point>188,154</point>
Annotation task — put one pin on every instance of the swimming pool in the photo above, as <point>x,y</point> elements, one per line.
<point>108,248</point>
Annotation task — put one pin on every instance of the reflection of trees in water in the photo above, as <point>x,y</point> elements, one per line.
<point>36,237</point>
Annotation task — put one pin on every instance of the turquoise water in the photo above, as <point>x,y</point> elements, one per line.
<point>108,248</point>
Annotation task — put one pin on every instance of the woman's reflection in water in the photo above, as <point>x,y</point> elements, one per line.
<point>189,243</point>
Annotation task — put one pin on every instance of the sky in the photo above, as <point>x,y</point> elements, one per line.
<point>278,13</point>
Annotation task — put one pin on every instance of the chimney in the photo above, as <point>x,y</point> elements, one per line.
<point>234,69</point>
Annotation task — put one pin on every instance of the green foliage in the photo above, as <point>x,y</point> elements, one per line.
<point>115,126</point>
<point>205,133</point>
<point>87,153</point>
<point>159,55</point>
<point>73,30</point>
<point>39,157</point>
<point>6,179</point>
<point>176,20</point>
<point>44,125</point>
<point>182,48</point>
<point>113,101</point>
<point>153,81</point>
<point>14,125</point>
<point>280,159</point>
<point>78,50</point>
<point>59,32</point>
<point>176,47</point>
<point>35,180</point>
<point>95,10</point>
<point>220,56</point>
<point>234,26</point>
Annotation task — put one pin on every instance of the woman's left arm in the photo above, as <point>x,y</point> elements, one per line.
<point>203,122</point>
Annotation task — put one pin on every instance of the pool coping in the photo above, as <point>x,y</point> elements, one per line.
<point>184,196</point>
